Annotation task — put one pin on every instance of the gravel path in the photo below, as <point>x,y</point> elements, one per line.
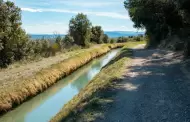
<point>155,89</point>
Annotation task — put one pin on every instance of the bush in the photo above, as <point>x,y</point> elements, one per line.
<point>137,38</point>
<point>112,40</point>
<point>59,41</point>
<point>97,34</point>
<point>122,39</point>
<point>105,38</point>
<point>68,40</point>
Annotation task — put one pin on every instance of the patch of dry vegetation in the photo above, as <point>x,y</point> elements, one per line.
<point>89,96</point>
<point>23,88</point>
<point>26,68</point>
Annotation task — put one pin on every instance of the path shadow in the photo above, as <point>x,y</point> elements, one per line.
<point>154,91</point>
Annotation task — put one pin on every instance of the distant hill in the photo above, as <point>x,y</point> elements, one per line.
<point>46,36</point>
<point>112,34</point>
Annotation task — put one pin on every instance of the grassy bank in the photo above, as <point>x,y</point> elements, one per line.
<point>90,94</point>
<point>14,94</point>
<point>27,68</point>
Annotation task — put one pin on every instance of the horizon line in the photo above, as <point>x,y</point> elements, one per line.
<point>65,34</point>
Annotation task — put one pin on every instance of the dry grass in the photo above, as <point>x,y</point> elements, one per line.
<point>23,88</point>
<point>26,68</point>
<point>113,71</point>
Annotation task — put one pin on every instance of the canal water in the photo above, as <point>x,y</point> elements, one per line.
<point>47,104</point>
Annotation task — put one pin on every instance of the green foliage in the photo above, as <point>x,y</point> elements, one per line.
<point>105,38</point>
<point>113,40</point>
<point>44,47</point>
<point>122,39</point>
<point>68,40</point>
<point>80,29</point>
<point>16,45</point>
<point>13,40</point>
<point>160,18</point>
<point>59,42</point>
<point>130,37</point>
<point>97,34</point>
<point>58,39</point>
<point>137,38</point>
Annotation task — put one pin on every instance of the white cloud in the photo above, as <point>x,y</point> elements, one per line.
<point>104,14</point>
<point>31,10</point>
<point>109,14</point>
<point>88,4</point>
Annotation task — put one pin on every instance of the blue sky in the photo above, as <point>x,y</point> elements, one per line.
<point>50,16</point>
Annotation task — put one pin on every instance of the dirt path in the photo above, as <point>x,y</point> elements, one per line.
<point>154,90</point>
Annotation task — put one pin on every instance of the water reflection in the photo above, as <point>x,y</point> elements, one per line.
<point>47,104</point>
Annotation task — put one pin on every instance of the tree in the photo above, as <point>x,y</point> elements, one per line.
<point>112,40</point>
<point>68,40</point>
<point>45,47</point>
<point>13,38</point>
<point>137,38</point>
<point>160,18</point>
<point>21,49</point>
<point>122,39</point>
<point>59,41</point>
<point>105,38</point>
<point>97,34</point>
<point>38,47</point>
<point>79,29</point>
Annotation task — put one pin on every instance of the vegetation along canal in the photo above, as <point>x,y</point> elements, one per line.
<point>47,104</point>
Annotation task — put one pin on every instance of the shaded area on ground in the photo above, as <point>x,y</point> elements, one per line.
<point>154,89</point>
